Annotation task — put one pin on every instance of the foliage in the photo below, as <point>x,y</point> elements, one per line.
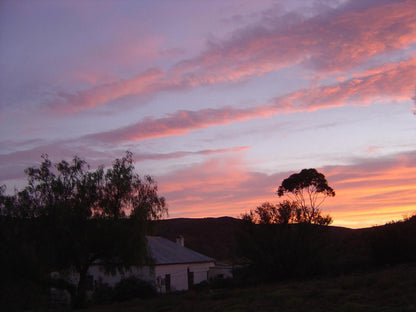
<point>124,192</point>
<point>308,189</point>
<point>76,216</point>
<point>133,287</point>
<point>267,213</point>
<point>276,251</point>
<point>103,293</point>
<point>282,240</point>
<point>389,289</point>
<point>21,268</point>
<point>394,242</point>
<point>126,289</point>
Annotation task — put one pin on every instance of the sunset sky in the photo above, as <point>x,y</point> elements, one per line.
<point>218,100</point>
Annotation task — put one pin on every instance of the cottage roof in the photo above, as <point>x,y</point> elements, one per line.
<point>164,251</point>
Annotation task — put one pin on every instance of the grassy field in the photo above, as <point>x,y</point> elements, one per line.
<point>392,289</point>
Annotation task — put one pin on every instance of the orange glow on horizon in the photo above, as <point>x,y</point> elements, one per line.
<point>364,198</point>
<point>374,198</point>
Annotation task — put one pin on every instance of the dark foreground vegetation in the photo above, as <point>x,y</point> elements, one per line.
<point>283,267</point>
<point>387,289</point>
<point>68,217</point>
<point>286,256</point>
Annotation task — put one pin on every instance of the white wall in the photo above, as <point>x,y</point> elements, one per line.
<point>100,276</point>
<point>220,272</point>
<point>156,275</point>
<point>179,275</point>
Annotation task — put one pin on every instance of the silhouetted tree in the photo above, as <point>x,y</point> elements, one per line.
<point>287,212</point>
<point>125,193</point>
<point>267,213</point>
<point>87,215</point>
<point>286,239</point>
<point>308,189</point>
<point>276,251</point>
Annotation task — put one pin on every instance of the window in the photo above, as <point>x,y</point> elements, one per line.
<point>167,282</point>
<point>190,279</point>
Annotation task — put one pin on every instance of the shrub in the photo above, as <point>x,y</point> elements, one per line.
<point>103,294</point>
<point>127,289</point>
<point>395,242</point>
<point>133,287</point>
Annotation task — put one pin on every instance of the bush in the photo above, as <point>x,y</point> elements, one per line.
<point>127,289</point>
<point>394,242</point>
<point>133,287</point>
<point>278,251</point>
<point>218,283</point>
<point>23,294</point>
<point>103,294</point>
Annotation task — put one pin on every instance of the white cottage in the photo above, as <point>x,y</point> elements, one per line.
<point>176,268</point>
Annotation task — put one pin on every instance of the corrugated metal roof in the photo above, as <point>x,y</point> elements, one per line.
<point>164,251</point>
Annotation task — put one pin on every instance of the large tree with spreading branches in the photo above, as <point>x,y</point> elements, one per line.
<point>80,215</point>
<point>308,189</point>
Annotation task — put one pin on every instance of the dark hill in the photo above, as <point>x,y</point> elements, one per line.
<point>344,248</point>
<point>217,237</point>
<point>214,237</point>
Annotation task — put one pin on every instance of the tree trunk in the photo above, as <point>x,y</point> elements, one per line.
<point>80,299</point>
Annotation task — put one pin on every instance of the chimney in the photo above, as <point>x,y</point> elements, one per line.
<point>180,240</point>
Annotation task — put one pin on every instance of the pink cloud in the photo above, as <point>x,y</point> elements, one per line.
<point>179,123</point>
<point>368,192</point>
<point>217,187</point>
<point>373,191</point>
<point>12,165</point>
<point>333,41</point>
<point>391,82</point>
<point>101,94</point>
<point>372,149</point>
<point>155,156</point>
